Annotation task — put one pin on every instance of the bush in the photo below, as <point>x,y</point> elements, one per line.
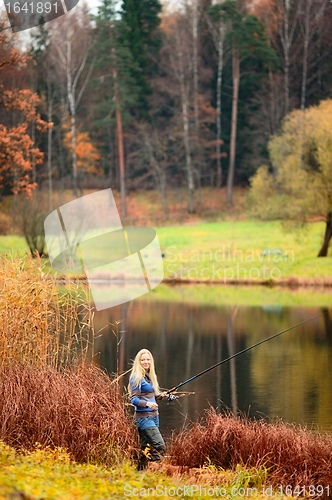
<point>82,412</point>
<point>293,455</point>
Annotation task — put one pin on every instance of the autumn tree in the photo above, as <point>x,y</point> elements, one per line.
<point>117,92</point>
<point>300,186</point>
<point>18,107</point>
<point>218,29</point>
<point>70,46</point>
<point>248,41</point>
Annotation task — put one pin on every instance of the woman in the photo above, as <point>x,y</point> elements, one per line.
<point>144,391</point>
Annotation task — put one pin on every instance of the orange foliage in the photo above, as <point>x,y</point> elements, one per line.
<point>16,146</point>
<point>267,11</point>
<point>87,154</point>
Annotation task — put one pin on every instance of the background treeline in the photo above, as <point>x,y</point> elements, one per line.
<point>144,96</point>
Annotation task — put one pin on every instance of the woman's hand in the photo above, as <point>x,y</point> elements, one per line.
<point>151,405</point>
<point>163,394</point>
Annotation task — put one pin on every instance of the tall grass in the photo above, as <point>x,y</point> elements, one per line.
<point>293,456</point>
<point>82,412</point>
<point>40,323</point>
<point>50,391</point>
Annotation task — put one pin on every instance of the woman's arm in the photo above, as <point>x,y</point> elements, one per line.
<point>136,400</point>
<point>161,395</point>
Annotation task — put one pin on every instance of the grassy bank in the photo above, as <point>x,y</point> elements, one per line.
<point>51,474</point>
<point>230,252</point>
<point>222,295</point>
<point>51,394</point>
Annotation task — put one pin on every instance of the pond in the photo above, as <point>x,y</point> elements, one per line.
<point>289,377</point>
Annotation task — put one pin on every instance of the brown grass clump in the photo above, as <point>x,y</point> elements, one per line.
<point>82,412</point>
<point>293,456</point>
<point>40,323</point>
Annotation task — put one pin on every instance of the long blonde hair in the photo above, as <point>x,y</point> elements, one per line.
<point>138,372</point>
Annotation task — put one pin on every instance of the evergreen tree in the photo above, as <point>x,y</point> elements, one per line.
<point>140,31</point>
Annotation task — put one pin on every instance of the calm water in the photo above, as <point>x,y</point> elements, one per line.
<point>288,377</point>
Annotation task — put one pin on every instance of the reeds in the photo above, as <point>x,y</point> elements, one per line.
<point>50,392</point>
<point>41,323</point>
<point>82,412</point>
<point>292,455</point>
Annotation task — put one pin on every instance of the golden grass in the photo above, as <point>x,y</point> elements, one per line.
<point>40,324</point>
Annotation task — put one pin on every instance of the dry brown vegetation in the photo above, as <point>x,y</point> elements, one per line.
<point>143,207</point>
<point>40,323</point>
<point>50,392</point>
<point>292,455</point>
<point>80,411</point>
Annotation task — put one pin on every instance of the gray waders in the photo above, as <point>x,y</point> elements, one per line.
<point>152,446</point>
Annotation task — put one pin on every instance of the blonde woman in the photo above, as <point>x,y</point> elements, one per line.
<point>144,391</point>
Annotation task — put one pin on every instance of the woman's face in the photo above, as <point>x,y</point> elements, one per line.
<point>146,361</point>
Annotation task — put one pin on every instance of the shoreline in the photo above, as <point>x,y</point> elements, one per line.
<point>291,282</point>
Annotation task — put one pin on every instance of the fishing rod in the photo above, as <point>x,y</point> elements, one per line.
<point>170,398</point>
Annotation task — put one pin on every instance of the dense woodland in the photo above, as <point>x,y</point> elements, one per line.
<point>145,96</point>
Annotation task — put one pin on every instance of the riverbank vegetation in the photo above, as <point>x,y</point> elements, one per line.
<point>67,427</point>
<point>292,456</point>
<point>235,250</point>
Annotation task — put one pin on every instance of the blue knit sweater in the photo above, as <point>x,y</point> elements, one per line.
<point>142,394</point>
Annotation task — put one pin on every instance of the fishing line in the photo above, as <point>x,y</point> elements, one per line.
<point>241,352</point>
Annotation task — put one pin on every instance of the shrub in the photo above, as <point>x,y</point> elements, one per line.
<point>293,455</point>
<point>82,412</point>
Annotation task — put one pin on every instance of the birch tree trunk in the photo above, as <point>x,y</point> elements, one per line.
<point>72,107</point>
<point>158,173</point>
<point>305,53</point>
<point>195,71</point>
<point>185,119</point>
<point>287,28</point>
<point>232,152</point>
<point>286,54</point>
<point>49,147</point>
<point>218,36</point>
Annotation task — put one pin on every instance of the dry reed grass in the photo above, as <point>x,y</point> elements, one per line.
<point>50,392</point>
<point>40,323</point>
<point>82,412</point>
<point>293,456</point>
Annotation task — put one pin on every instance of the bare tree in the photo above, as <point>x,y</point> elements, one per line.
<point>70,44</point>
<point>218,33</point>
<point>313,15</point>
<point>177,61</point>
<point>158,161</point>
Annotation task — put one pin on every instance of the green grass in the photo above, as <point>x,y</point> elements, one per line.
<point>223,295</point>
<point>13,244</point>
<point>222,250</point>
<point>232,249</point>
<point>52,475</point>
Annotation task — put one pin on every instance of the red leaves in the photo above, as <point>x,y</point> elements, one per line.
<point>17,150</point>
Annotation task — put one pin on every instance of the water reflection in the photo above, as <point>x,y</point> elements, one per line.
<point>288,377</point>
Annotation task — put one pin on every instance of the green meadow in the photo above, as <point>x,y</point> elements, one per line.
<point>232,251</point>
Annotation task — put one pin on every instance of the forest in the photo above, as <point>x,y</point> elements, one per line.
<point>156,96</point>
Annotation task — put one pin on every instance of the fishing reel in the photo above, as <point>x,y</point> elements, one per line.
<point>171,398</point>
